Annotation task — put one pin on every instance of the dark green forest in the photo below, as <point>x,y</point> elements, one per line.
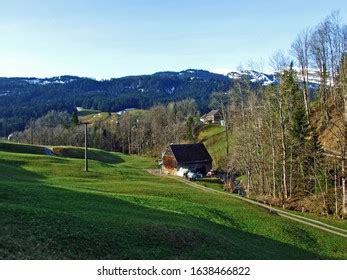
<point>23,99</point>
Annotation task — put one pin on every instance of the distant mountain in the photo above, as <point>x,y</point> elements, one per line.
<point>24,98</point>
<point>254,77</point>
<point>192,74</point>
<point>38,81</point>
<point>53,80</point>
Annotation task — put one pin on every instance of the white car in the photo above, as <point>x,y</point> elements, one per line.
<point>191,176</point>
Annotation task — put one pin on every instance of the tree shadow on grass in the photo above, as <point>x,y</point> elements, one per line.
<point>14,171</point>
<point>22,148</point>
<point>44,222</point>
<point>93,154</point>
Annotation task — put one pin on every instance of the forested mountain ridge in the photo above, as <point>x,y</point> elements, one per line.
<point>22,99</point>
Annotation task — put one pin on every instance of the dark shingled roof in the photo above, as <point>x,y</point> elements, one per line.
<point>189,153</point>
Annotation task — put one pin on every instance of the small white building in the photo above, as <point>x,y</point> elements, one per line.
<point>213,117</point>
<point>11,136</point>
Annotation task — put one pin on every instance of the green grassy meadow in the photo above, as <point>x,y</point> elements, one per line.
<point>214,138</point>
<point>98,117</point>
<point>93,116</point>
<point>51,209</point>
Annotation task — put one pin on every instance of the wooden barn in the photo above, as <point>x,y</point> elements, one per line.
<point>193,157</point>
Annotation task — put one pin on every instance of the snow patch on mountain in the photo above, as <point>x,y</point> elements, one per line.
<point>268,79</point>
<point>170,90</point>
<point>253,76</point>
<point>313,76</point>
<point>53,80</point>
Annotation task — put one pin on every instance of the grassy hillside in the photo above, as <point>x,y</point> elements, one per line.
<point>93,117</point>
<point>51,209</point>
<point>214,138</point>
<point>331,133</point>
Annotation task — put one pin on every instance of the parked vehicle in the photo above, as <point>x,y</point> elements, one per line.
<point>191,176</point>
<point>182,172</point>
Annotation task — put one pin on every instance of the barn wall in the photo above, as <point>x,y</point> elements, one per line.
<point>169,171</point>
<point>212,119</point>
<point>169,163</point>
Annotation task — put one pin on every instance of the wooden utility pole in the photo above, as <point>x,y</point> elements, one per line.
<point>86,147</point>
<point>79,122</point>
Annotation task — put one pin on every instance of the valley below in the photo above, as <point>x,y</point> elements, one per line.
<point>52,209</point>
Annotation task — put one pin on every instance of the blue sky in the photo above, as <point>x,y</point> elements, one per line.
<point>104,39</point>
